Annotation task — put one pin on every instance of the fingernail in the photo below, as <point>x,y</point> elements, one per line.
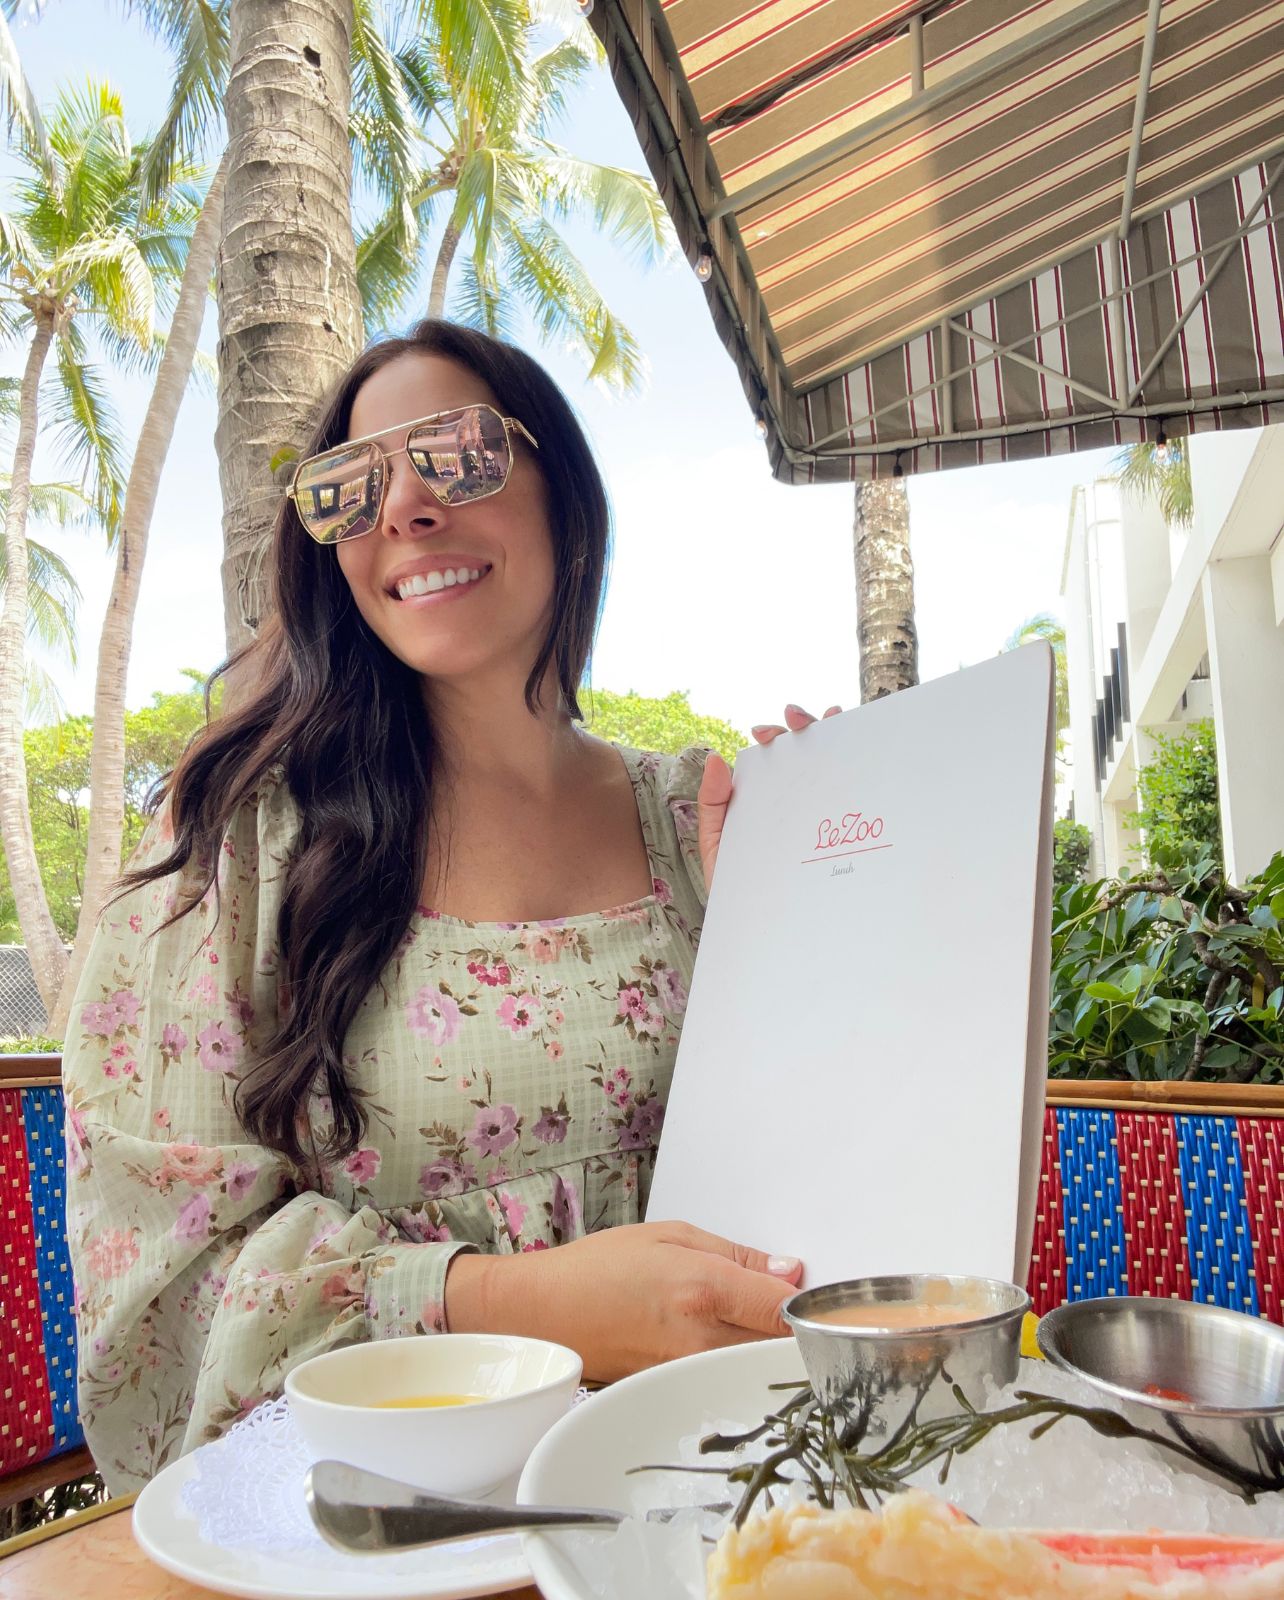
<point>760,727</point>
<point>783,1266</point>
<point>792,707</point>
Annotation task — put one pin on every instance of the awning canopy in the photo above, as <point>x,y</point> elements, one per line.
<point>943,234</point>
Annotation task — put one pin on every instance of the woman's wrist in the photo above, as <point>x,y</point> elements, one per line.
<point>478,1297</point>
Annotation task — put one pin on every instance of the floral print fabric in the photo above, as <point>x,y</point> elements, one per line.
<point>514,1077</point>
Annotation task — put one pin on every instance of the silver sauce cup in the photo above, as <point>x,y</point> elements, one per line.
<point>880,1380</point>
<point>1209,1379</point>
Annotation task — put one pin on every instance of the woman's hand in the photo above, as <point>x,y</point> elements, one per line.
<point>715,787</point>
<point>626,1298</point>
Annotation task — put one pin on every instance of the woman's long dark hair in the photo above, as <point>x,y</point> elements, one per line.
<point>348,722</point>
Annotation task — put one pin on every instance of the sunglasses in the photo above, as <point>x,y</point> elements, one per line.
<point>461,455</point>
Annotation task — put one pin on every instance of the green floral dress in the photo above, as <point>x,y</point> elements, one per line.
<point>514,1077</point>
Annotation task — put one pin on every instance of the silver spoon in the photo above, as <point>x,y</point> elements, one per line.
<point>358,1510</point>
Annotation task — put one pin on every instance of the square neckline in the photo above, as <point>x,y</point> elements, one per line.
<point>631,760</point>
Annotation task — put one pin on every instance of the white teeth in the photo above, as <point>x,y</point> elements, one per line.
<point>431,582</point>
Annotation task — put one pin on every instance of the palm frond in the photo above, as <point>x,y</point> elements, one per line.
<point>19,103</point>
<point>1142,475</point>
<point>479,300</point>
<point>16,244</point>
<point>478,197</point>
<point>625,206</point>
<point>383,121</point>
<point>480,47</point>
<point>422,82</point>
<point>565,304</point>
<point>88,132</point>
<point>44,707</point>
<point>86,431</point>
<point>198,35</point>
<point>559,70</point>
<point>52,594</point>
<point>388,262</point>
<point>116,277</point>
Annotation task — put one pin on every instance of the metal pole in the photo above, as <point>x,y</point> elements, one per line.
<point>916,53</point>
<point>1257,397</point>
<point>1197,298</point>
<point>1010,354</point>
<point>1139,115</point>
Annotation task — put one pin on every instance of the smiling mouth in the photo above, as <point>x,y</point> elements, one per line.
<point>437,582</point>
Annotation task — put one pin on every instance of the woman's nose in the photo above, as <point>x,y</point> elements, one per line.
<point>409,506</point>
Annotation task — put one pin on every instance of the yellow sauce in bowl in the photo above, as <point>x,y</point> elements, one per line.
<point>423,1400</point>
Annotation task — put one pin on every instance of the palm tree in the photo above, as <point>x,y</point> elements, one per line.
<point>79,251</point>
<point>107,748</point>
<point>1159,470</point>
<point>886,634</point>
<point>511,187</point>
<point>1043,625</point>
<point>446,97</point>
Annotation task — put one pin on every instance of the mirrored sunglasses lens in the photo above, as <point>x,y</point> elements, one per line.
<point>462,454</point>
<point>337,496</point>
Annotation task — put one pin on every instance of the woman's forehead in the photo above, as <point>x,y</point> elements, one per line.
<point>413,386</point>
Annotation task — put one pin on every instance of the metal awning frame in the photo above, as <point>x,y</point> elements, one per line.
<point>1223,248</point>
<point>707,217</point>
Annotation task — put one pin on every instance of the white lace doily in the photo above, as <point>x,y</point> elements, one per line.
<point>247,1494</point>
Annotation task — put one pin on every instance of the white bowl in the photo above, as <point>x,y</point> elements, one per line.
<point>469,1449</point>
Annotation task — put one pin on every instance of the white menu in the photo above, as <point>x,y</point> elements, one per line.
<point>860,1079</point>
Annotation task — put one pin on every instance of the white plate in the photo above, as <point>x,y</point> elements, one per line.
<point>170,1534</point>
<point>584,1459</point>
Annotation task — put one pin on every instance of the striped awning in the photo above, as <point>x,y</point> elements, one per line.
<point>943,234</point>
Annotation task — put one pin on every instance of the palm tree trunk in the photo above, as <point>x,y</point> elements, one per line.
<point>289,315</point>
<point>441,271</point>
<point>884,589</point>
<point>107,759</point>
<point>44,947</point>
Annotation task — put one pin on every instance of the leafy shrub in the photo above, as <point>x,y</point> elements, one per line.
<point>1174,975</point>
<point>1179,811</point>
<point>1071,846</point>
<point>29,1044</point>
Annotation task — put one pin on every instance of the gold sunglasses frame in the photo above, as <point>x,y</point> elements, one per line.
<point>389,455</point>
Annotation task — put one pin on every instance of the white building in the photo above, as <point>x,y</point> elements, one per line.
<point>1165,627</point>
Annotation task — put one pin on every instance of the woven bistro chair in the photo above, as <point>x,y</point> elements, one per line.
<point>41,1441</point>
<point>1172,1190</point>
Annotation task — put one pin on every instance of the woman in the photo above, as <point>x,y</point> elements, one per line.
<point>358,1043</point>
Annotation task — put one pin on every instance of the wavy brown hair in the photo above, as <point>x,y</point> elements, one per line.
<point>347,721</point>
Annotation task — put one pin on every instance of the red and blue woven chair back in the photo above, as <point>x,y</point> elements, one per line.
<point>1134,1202</point>
<point>38,1412</point>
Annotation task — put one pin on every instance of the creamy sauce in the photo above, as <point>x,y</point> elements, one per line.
<point>896,1314</point>
<point>421,1400</point>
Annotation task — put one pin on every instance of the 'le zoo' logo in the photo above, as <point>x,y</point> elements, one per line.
<point>852,833</point>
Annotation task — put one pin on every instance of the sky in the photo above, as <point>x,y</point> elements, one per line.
<point>725,583</point>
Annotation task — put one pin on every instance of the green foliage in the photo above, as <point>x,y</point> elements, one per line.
<point>1147,474</point>
<point>1071,846</point>
<point>1043,625</point>
<point>669,725</point>
<point>1175,975</point>
<point>1179,812</point>
<point>58,785</point>
<point>29,1044</point>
